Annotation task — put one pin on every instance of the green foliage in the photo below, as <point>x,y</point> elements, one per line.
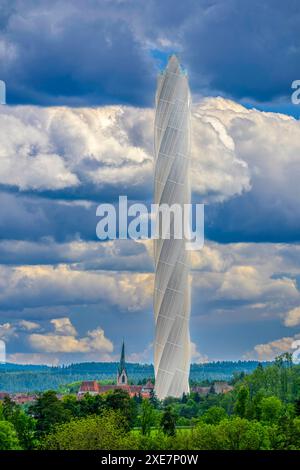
<point>30,378</point>
<point>8,437</point>
<point>147,417</point>
<point>73,405</point>
<point>230,434</point>
<point>23,424</point>
<point>48,411</point>
<point>242,402</point>
<point>297,407</point>
<point>168,421</point>
<point>88,405</point>
<point>214,415</point>
<point>271,409</point>
<point>119,400</point>
<point>154,400</point>
<point>107,432</point>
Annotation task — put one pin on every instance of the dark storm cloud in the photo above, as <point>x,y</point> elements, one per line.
<point>35,218</point>
<point>72,53</point>
<point>97,51</point>
<point>250,218</point>
<point>245,49</point>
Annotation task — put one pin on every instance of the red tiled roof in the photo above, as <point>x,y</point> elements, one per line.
<point>89,386</point>
<point>149,385</point>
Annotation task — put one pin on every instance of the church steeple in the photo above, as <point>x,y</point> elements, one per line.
<point>122,378</point>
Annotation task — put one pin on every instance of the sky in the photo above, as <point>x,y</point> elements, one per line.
<point>77,130</point>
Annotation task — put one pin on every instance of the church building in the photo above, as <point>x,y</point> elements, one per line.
<point>92,387</point>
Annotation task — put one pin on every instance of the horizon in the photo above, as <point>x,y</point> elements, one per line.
<point>137,363</point>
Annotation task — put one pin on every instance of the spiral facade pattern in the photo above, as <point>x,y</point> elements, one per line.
<point>172,186</point>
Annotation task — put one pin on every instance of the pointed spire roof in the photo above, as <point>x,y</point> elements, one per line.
<point>122,365</point>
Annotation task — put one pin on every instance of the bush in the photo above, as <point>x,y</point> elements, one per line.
<point>107,432</point>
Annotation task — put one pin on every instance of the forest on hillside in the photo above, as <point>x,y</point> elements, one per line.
<point>32,378</point>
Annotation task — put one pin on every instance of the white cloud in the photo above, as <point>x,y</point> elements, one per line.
<point>196,356</point>
<point>65,339</point>
<point>33,358</point>
<point>7,331</point>
<point>233,149</point>
<point>34,286</point>
<point>145,356</point>
<point>268,351</point>
<point>292,317</point>
<point>63,326</point>
<point>248,282</point>
<point>28,325</point>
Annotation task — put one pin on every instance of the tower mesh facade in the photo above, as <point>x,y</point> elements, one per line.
<point>172,284</point>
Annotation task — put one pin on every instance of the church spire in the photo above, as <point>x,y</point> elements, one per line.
<point>122,359</point>
<point>122,378</point>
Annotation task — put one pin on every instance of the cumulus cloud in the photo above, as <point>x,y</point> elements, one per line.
<point>247,282</point>
<point>196,356</point>
<point>38,286</point>
<point>143,357</point>
<point>268,351</point>
<point>7,331</point>
<point>59,148</point>
<point>65,339</point>
<point>56,148</point>
<point>292,317</point>
<point>269,144</point>
<point>28,325</point>
<point>264,274</point>
<point>234,152</point>
<point>63,326</point>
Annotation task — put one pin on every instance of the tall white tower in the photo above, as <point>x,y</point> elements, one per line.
<point>172,283</point>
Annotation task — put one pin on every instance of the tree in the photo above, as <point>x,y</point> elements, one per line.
<point>107,432</point>
<point>8,437</point>
<point>153,399</point>
<point>8,408</point>
<point>196,397</point>
<point>184,398</point>
<point>297,407</point>
<point>240,434</point>
<point>147,417</point>
<point>189,409</point>
<point>138,399</point>
<point>168,421</point>
<point>24,425</point>
<point>88,405</point>
<point>242,401</point>
<point>120,400</point>
<point>271,409</point>
<point>48,410</point>
<point>73,405</point>
<point>214,415</point>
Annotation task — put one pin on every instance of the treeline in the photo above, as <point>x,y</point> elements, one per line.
<point>17,378</point>
<point>262,412</point>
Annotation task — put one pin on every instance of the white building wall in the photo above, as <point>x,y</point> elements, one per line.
<point>172,185</point>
